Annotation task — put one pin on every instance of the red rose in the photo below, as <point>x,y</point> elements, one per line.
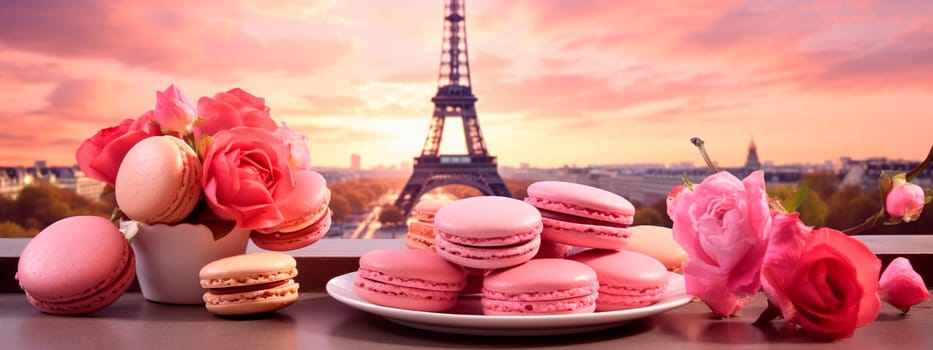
<point>822,280</point>
<point>247,177</point>
<point>230,109</point>
<point>100,156</point>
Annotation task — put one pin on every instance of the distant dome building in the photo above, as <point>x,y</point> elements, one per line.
<point>752,162</point>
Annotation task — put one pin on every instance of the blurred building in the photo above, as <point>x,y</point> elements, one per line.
<point>355,162</point>
<point>865,172</point>
<point>648,183</point>
<point>13,179</point>
<point>751,161</point>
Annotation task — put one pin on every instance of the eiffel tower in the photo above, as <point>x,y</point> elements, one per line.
<point>454,98</point>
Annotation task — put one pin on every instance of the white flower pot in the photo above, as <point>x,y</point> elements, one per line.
<point>169,257</point>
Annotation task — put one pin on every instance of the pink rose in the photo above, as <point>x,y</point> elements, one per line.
<point>230,109</point>
<point>173,111</point>
<point>905,201</point>
<point>821,280</point>
<point>246,177</point>
<point>299,156</point>
<point>901,286</point>
<point>673,197</point>
<point>723,225</point>
<point>100,156</point>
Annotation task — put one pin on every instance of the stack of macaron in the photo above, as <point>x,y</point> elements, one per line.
<point>522,251</point>
<point>421,230</point>
<point>307,215</point>
<point>598,222</point>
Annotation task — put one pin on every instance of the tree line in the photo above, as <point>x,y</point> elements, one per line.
<point>39,205</point>
<point>828,203</point>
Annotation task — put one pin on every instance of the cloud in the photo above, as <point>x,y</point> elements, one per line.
<point>905,62</point>
<point>99,102</point>
<point>331,134</point>
<point>334,105</point>
<point>192,39</point>
<point>696,109</point>
<point>30,72</point>
<point>574,96</point>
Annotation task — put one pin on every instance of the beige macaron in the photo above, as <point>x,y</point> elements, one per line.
<point>657,242</point>
<point>159,181</point>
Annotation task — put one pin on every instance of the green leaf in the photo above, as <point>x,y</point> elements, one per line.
<point>928,200</point>
<point>686,179</point>
<point>793,202</point>
<point>886,183</point>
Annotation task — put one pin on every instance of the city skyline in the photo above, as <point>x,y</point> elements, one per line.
<point>559,83</point>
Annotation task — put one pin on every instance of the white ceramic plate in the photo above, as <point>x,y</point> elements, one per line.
<point>467,317</point>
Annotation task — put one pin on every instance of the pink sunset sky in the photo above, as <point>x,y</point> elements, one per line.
<point>558,82</point>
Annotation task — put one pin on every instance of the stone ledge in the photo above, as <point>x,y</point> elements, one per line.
<point>328,258</point>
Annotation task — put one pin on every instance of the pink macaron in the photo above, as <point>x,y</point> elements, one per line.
<point>551,249</point>
<point>541,287</point>
<point>159,181</point>
<point>408,279</point>
<point>249,283</point>
<point>626,279</point>
<point>487,232</point>
<point>306,212</point>
<point>77,265</point>
<point>581,215</point>
<point>421,231</point>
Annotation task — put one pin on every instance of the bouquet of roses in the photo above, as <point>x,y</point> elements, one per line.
<point>239,168</point>
<point>820,279</point>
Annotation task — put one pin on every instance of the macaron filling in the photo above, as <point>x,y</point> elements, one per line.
<point>491,252</point>
<point>418,283</point>
<point>553,215</point>
<point>421,228</point>
<point>300,223</point>
<point>282,295</point>
<point>249,288</point>
<point>378,287</point>
<point>581,304</point>
<point>575,292</point>
<point>310,233</point>
<point>501,241</point>
<point>600,215</point>
<point>604,231</point>
<point>211,283</point>
<point>616,297</point>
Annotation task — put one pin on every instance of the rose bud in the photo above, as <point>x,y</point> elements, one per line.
<point>173,111</point>
<point>905,201</point>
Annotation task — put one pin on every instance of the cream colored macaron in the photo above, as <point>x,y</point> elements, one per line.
<point>657,242</point>
<point>159,181</point>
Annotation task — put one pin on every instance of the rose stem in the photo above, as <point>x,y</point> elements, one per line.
<point>700,144</point>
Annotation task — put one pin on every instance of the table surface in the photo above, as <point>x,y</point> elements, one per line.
<point>318,321</point>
